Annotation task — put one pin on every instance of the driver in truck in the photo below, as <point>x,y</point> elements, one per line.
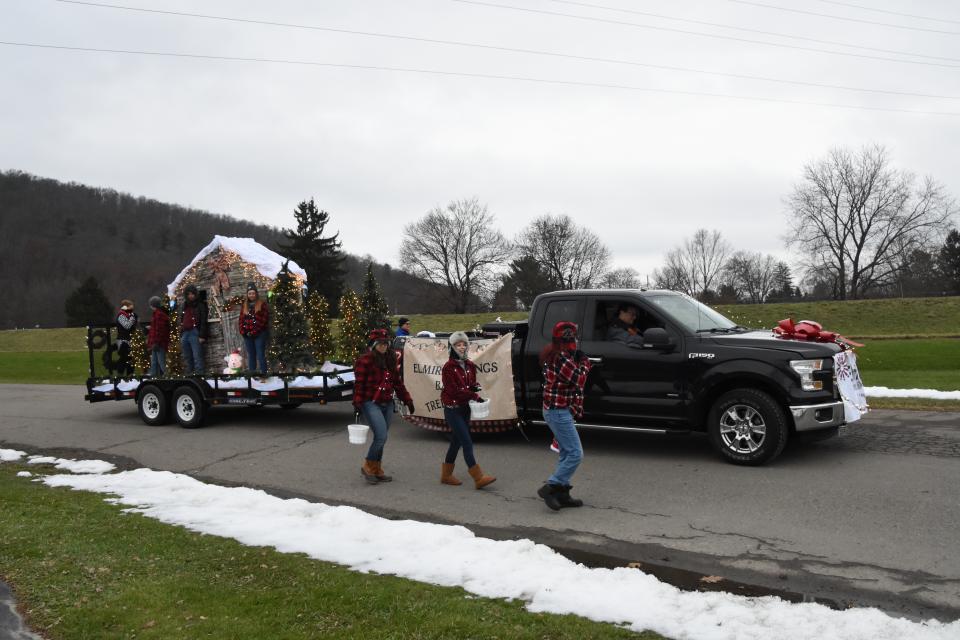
<point>623,328</point>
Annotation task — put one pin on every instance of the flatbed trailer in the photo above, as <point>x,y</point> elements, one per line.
<point>187,399</point>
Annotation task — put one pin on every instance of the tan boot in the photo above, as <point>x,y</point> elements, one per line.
<point>369,471</point>
<point>446,475</point>
<point>381,476</point>
<point>479,478</point>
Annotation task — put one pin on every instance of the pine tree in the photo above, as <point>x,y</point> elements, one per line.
<point>139,357</point>
<point>318,317</point>
<point>290,338</point>
<point>320,257</point>
<point>949,260</point>
<point>352,340</point>
<point>375,309</point>
<point>174,366</point>
<point>87,305</point>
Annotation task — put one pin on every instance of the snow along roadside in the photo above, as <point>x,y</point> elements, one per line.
<point>932,394</point>
<point>453,556</point>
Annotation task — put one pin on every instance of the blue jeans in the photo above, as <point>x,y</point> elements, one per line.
<point>459,421</point>
<point>158,362</point>
<point>256,352</point>
<point>192,350</point>
<point>378,418</point>
<point>564,430</point>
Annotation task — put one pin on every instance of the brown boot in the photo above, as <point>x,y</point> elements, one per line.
<point>446,475</point>
<point>381,476</point>
<point>479,478</point>
<point>369,471</point>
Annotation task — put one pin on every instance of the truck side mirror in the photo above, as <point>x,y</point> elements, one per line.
<point>656,338</point>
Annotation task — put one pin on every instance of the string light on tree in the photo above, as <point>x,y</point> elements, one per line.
<point>139,357</point>
<point>353,330</point>
<point>318,318</point>
<point>290,345</point>
<point>174,363</point>
<point>375,309</point>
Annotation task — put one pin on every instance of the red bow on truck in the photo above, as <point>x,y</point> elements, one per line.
<point>811,331</point>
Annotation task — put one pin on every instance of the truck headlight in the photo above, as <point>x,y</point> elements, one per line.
<point>805,369</point>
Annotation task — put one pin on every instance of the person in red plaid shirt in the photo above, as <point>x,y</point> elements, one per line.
<point>565,370</point>
<point>377,379</point>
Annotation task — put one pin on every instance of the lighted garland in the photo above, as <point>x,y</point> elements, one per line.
<point>318,319</point>
<point>352,340</point>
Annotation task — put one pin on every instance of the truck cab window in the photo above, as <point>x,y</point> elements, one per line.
<point>558,310</point>
<point>608,312</point>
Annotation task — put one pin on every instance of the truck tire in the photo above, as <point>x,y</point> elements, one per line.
<point>152,405</point>
<point>748,427</point>
<point>189,408</point>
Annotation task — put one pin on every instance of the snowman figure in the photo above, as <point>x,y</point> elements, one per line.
<point>234,363</point>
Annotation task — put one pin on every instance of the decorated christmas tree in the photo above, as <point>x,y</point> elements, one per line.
<point>139,357</point>
<point>318,318</point>
<point>174,363</point>
<point>290,338</point>
<point>375,309</point>
<point>352,340</point>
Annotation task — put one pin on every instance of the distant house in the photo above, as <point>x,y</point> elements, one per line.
<point>221,272</point>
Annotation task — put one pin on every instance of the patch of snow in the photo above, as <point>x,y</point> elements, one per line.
<point>24,474</point>
<point>123,385</point>
<point>11,455</point>
<point>74,466</point>
<point>932,394</point>
<point>267,262</point>
<point>453,556</point>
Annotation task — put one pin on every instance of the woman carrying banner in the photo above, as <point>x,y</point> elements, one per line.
<point>377,379</point>
<point>459,377</point>
<point>565,370</point>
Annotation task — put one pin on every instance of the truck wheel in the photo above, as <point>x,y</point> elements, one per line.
<point>188,407</point>
<point>748,427</point>
<point>152,405</point>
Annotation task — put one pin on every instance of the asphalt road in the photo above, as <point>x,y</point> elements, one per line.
<point>871,518</point>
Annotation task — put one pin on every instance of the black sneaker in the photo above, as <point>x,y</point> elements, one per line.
<point>549,494</point>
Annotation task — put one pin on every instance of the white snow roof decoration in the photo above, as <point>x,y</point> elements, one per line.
<point>267,262</point>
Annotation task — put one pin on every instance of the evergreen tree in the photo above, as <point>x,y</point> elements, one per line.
<point>352,340</point>
<point>949,261</point>
<point>376,312</point>
<point>290,338</point>
<point>318,317</point>
<point>174,366</point>
<point>88,304</point>
<point>138,350</point>
<point>320,257</point>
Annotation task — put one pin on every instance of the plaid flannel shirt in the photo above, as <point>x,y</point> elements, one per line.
<point>563,383</point>
<point>373,383</point>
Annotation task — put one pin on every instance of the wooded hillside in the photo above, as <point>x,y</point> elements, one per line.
<point>54,235</point>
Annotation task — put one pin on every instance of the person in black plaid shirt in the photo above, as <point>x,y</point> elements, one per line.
<point>565,370</point>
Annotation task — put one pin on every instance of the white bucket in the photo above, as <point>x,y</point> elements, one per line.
<point>358,433</point>
<point>479,410</point>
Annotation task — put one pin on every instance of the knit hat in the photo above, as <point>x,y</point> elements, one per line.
<point>377,335</point>
<point>455,337</point>
<point>126,304</point>
<point>252,287</point>
<point>565,335</point>
<point>155,302</point>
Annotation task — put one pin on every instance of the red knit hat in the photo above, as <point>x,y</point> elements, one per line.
<point>565,334</point>
<point>378,335</point>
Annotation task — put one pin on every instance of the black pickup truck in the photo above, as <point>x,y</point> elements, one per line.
<point>693,370</point>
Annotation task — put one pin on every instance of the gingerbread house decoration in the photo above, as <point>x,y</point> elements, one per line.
<point>221,272</point>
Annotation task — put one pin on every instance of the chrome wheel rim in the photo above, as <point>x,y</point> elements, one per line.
<point>742,429</point>
<point>151,406</point>
<point>185,408</point>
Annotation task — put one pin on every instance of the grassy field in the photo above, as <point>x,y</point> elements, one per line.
<point>82,569</point>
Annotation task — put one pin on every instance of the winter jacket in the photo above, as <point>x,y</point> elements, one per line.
<point>126,323</point>
<point>459,383</point>
<point>159,334</point>
<point>255,323</point>
<point>402,332</point>
<point>620,331</point>
<point>194,316</point>
<point>372,382</point>
<point>564,377</point>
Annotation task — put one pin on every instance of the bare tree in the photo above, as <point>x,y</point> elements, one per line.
<point>623,278</point>
<point>854,214</point>
<point>457,248</point>
<point>696,265</point>
<point>572,257</point>
<point>752,275</point>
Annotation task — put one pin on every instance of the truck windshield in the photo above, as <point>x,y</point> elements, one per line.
<point>694,315</point>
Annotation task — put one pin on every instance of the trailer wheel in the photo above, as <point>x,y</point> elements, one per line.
<point>152,405</point>
<point>188,407</point>
<point>287,406</point>
<point>748,427</point>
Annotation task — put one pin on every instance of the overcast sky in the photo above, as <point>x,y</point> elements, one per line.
<point>642,167</point>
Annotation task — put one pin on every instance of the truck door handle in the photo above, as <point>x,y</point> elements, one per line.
<point>597,360</point>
